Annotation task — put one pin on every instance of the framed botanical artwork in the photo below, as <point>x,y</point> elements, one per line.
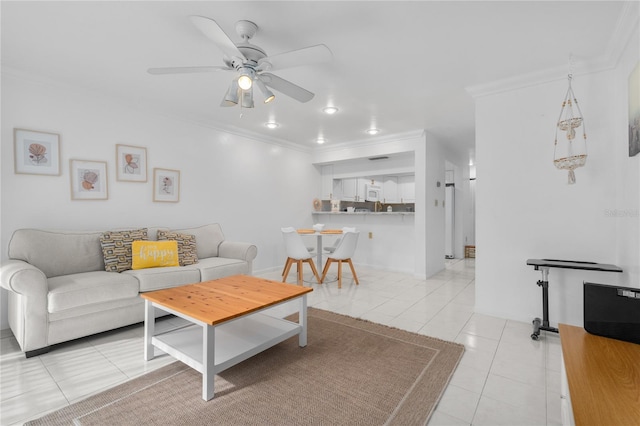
<point>131,163</point>
<point>166,185</point>
<point>634,111</point>
<point>88,180</point>
<point>36,153</point>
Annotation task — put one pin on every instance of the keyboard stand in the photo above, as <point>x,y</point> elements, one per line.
<point>543,265</point>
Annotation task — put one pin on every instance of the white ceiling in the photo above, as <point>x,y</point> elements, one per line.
<point>400,66</point>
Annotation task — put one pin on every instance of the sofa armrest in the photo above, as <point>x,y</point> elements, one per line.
<point>237,250</point>
<point>27,304</point>
<point>23,278</point>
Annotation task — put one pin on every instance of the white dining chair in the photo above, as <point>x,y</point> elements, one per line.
<point>343,253</point>
<point>298,253</point>
<point>332,248</point>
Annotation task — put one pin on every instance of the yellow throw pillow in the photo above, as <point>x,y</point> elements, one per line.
<point>153,254</point>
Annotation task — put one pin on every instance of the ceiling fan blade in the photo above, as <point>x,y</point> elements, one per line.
<point>306,56</point>
<point>212,30</point>
<point>286,87</point>
<point>187,70</point>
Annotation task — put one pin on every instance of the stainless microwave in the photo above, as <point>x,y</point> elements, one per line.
<point>372,193</point>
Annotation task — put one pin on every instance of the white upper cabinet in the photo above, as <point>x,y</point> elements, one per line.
<point>395,189</point>
<point>326,192</point>
<point>362,188</point>
<point>349,189</point>
<point>390,189</point>
<point>407,188</point>
<point>337,189</point>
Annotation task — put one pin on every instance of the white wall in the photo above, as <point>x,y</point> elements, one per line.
<point>250,187</point>
<point>526,209</point>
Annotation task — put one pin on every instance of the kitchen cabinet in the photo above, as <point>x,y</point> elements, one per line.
<point>407,188</point>
<point>354,189</point>
<point>390,189</point>
<point>361,193</point>
<point>349,189</point>
<point>326,192</point>
<point>336,193</point>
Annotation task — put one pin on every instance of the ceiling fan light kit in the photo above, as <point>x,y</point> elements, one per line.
<point>247,99</point>
<point>251,63</point>
<point>231,98</point>
<point>245,79</point>
<point>268,94</point>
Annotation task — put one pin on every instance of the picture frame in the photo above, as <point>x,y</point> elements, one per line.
<point>36,153</point>
<point>131,163</point>
<point>166,185</point>
<point>89,180</point>
<point>634,111</point>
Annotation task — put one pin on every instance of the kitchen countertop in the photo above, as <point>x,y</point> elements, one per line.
<point>365,213</point>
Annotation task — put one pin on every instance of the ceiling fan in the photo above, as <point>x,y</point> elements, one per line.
<point>251,63</point>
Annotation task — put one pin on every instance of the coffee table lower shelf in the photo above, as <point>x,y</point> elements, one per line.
<point>231,343</point>
<point>235,341</point>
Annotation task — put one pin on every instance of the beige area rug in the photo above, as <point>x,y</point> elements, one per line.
<point>352,372</point>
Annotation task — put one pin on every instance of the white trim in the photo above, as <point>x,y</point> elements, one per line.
<point>627,22</point>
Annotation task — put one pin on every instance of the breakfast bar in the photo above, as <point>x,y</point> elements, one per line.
<point>386,239</point>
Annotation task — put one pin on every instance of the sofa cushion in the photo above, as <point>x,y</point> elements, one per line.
<point>208,239</point>
<point>218,267</point>
<point>187,249</point>
<point>152,232</point>
<point>167,277</point>
<point>154,254</point>
<point>57,252</point>
<point>116,248</point>
<point>75,290</point>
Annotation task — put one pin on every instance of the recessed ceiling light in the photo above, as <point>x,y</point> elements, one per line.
<point>373,131</point>
<point>320,140</point>
<point>272,125</point>
<point>330,110</point>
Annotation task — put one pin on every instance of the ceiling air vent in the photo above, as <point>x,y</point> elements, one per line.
<point>378,158</point>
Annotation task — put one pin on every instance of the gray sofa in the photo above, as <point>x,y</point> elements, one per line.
<point>59,290</point>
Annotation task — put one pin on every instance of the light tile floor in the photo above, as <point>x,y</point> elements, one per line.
<point>504,377</point>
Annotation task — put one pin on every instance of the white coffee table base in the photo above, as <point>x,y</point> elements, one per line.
<point>211,349</point>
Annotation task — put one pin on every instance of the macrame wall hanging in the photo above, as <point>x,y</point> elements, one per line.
<point>569,153</point>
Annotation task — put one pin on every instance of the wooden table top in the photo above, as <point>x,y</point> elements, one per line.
<point>220,300</point>
<point>323,232</point>
<point>603,376</point>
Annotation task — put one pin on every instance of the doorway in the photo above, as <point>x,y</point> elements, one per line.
<point>449,215</point>
<point>449,220</point>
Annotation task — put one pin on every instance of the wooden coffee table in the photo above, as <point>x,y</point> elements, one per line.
<point>227,327</point>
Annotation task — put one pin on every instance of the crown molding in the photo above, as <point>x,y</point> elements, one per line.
<point>625,27</point>
<point>627,24</point>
